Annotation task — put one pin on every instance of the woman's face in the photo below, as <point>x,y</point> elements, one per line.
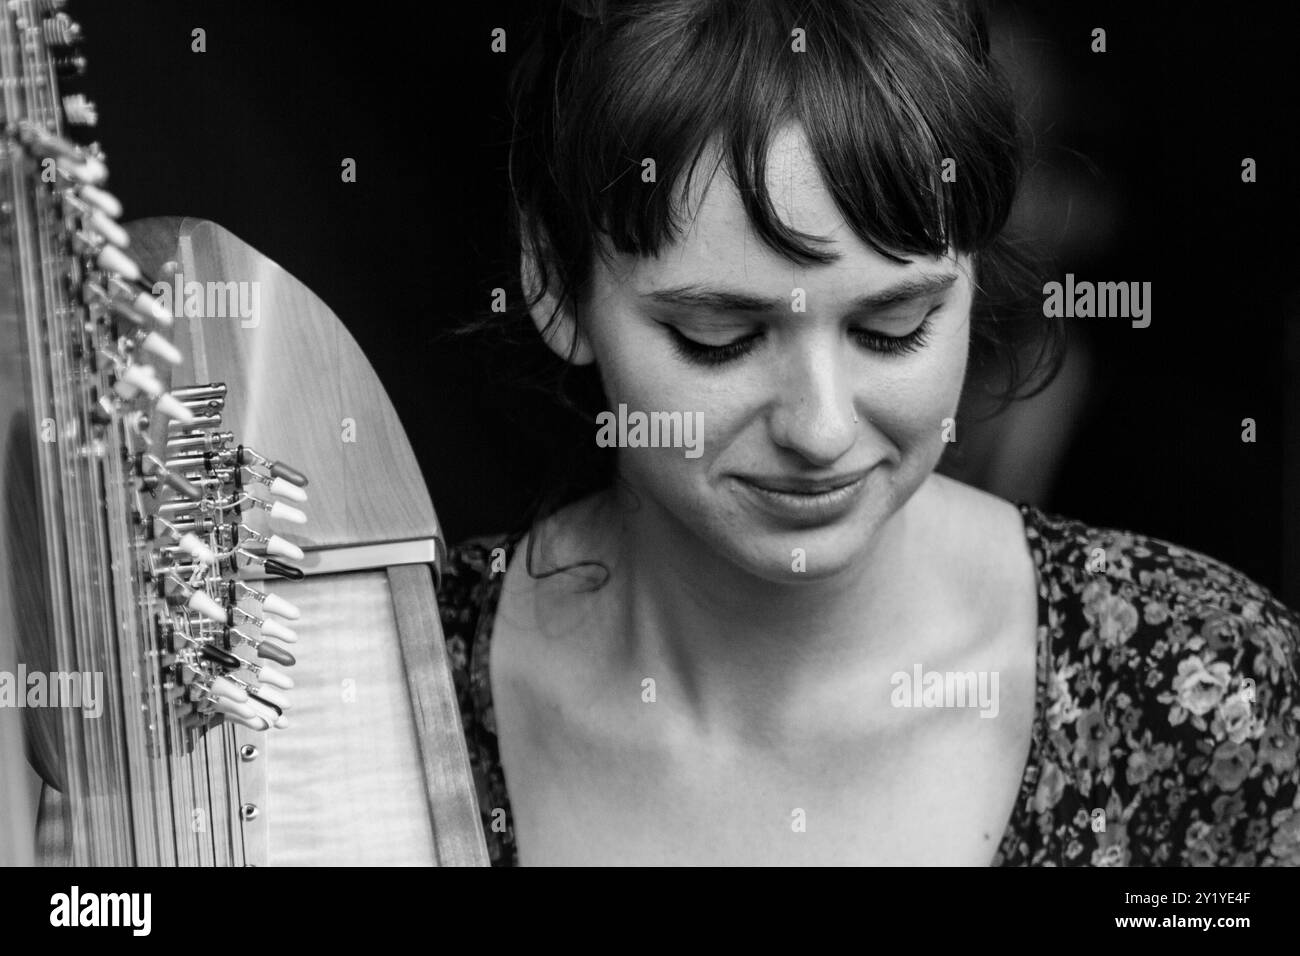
<point>823,390</point>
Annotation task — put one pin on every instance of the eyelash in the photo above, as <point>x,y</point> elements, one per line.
<point>701,354</point>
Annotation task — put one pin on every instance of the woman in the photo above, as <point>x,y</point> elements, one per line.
<point>791,641</point>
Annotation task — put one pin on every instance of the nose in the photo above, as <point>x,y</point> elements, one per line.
<point>813,414</point>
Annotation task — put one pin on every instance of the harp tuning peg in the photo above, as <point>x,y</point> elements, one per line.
<point>79,110</point>
<point>70,66</point>
<point>61,30</point>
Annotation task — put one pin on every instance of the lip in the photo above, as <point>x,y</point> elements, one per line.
<point>804,501</point>
<point>784,484</point>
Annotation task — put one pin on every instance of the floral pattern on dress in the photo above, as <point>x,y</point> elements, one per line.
<point>1168,702</point>
<point>1166,725</point>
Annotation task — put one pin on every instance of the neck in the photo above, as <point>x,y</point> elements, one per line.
<point>741,652</point>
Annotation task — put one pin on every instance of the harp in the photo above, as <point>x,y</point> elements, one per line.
<point>154,546</point>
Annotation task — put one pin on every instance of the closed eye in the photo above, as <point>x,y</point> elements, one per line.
<point>703,353</point>
<point>894,344</point>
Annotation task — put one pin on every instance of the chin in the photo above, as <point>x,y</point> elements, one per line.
<point>780,549</point>
<point>794,556</point>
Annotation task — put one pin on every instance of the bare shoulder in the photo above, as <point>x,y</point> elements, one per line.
<point>553,596</point>
<point>576,536</point>
<point>981,540</point>
<point>981,528</point>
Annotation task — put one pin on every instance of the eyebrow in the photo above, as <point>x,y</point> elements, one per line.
<point>713,299</point>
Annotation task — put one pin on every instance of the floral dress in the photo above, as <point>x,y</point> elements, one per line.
<point>1165,729</point>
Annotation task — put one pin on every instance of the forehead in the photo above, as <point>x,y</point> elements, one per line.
<point>718,243</point>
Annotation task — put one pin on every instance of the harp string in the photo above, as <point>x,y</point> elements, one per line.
<point>138,779</point>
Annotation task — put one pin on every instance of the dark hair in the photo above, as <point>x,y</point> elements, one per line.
<point>885,91</point>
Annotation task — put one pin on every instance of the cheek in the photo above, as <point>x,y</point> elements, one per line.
<point>910,403</point>
<point>639,369</point>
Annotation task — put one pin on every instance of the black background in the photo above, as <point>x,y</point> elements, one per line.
<point>251,134</point>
